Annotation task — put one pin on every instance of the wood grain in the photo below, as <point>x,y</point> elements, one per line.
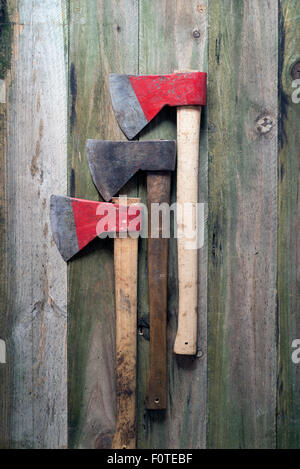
<point>242,224</point>
<point>188,135</point>
<point>125,273</point>
<point>288,390</point>
<point>5,323</point>
<point>103,40</point>
<point>167,43</point>
<point>158,192</point>
<point>34,167</point>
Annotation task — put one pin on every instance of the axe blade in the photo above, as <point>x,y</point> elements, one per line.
<point>63,226</point>
<point>137,99</point>
<point>127,109</point>
<point>112,164</point>
<point>75,222</point>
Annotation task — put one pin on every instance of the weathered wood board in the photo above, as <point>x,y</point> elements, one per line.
<point>288,390</point>
<point>242,113</point>
<point>5,369</point>
<point>33,153</point>
<point>183,424</point>
<point>243,389</point>
<point>103,40</point>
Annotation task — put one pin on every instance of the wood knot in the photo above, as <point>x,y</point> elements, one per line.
<point>264,124</point>
<point>143,327</point>
<point>201,9</point>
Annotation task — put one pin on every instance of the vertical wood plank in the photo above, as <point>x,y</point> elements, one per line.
<point>103,40</point>
<point>242,224</point>
<point>288,392</point>
<point>5,324</point>
<point>167,43</point>
<point>35,167</point>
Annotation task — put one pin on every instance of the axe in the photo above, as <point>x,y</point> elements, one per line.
<point>76,222</point>
<point>112,164</point>
<point>136,100</point>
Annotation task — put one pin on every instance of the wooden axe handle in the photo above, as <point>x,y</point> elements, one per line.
<point>158,190</point>
<point>188,134</point>
<point>126,266</point>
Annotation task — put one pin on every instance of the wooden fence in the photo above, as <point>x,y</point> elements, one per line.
<point>57,382</point>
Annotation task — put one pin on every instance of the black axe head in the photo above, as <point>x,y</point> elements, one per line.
<point>112,164</point>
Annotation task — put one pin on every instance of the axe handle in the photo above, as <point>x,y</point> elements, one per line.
<point>126,265</point>
<point>158,191</point>
<point>188,134</point>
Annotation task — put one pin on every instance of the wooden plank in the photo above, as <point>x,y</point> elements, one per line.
<point>243,40</point>
<point>103,40</point>
<point>35,166</point>
<point>168,41</point>
<point>288,420</point>
<point>5,324</point>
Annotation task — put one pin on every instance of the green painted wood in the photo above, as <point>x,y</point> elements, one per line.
<point>243,40</point>
<point>166,44</point>
<point>7,13</point>
<point>288,391</point>
<point>103,39</point>
<point>5,323</point>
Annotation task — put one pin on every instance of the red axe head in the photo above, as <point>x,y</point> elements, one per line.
<point>136,99</point>
<point>76,222</point>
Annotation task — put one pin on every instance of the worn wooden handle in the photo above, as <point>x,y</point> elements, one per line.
<point>188,134</point>
<point>158,189</point>
<point>125,263</point>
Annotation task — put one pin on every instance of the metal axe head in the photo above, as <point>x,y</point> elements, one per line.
<point>76,222</point>
<point>112,164</point>
<point>136,99</point>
